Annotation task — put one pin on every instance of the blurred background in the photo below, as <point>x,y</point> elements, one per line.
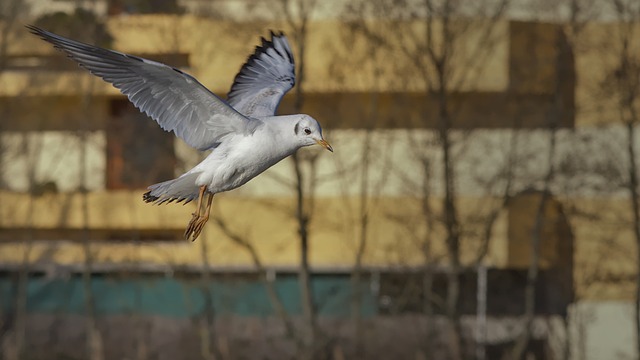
<point>482,201</point>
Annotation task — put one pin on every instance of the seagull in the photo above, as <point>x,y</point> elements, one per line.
<point>243,132</point>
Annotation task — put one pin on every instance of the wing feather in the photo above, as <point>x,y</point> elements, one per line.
<point>174,99</point>
<point>263,80</point>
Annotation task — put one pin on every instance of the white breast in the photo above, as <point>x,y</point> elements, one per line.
<point>240,159</point>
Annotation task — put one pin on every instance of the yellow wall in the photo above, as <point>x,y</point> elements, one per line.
<point>218,48</point>
<point>604,248</point>
<point>268,222</point>
<point>598,49</point>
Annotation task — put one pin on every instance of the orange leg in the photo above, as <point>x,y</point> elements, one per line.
<point>188,233</point>
<point>201,194</point>
<point>196,224</point>
<point>208,208</point>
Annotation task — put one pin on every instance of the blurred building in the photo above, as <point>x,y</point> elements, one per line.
<point>76,158</point>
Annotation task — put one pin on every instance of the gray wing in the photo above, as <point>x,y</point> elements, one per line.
<point>266,76</point>
<point>174,99</point>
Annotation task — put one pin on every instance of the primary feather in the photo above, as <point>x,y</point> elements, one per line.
<point>263,80</point>
<point>174,99</point>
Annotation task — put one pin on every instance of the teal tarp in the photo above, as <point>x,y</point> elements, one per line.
<point>175,297</point>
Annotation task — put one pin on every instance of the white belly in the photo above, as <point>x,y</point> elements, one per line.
<point>235,163</point>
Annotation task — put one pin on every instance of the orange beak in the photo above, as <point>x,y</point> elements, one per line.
<point>325,144</point>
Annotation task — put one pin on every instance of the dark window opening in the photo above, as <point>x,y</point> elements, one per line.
<point>412,292</point>
<point>139,152</point>
<point>94,235</point>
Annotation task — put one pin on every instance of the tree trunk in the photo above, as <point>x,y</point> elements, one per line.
<point>450,217</point>
<point>208,347</point>
<point>304,277</point>
<point>302,215</point>
<point>635,206</point>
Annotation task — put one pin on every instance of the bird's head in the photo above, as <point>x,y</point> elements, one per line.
<point>309,132</point>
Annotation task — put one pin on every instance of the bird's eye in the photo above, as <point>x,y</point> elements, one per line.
<point>307,131</point>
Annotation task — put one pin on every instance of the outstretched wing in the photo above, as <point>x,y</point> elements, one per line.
<point>174,99</point>
<point>266,76</point>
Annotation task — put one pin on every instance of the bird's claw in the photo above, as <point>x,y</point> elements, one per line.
<point>196,224</point>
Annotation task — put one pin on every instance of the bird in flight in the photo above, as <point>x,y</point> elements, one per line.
<point>243,132</point>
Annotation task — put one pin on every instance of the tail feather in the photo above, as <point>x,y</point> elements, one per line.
<point>147,197</point>
<point>181,189</point>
